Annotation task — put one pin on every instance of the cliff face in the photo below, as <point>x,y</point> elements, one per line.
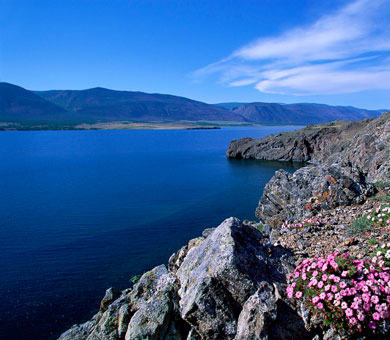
<point>362,144</point>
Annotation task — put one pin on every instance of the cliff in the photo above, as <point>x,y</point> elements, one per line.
<point>231,282</point>
<point>362,144</point>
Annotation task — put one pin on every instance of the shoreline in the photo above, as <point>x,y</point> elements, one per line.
<point>124,125</point>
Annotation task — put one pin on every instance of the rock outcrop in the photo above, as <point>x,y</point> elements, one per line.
<point>288,197</point>
<point>227,285</point>
<point>362,144</point>
<point>346,157</point>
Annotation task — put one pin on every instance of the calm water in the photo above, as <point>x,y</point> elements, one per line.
<point>81,211</point>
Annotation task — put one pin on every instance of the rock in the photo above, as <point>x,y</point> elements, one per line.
<point>111,295</point>
<point>218,276</point>
<point>361,144</point>
<point>207,232</point>
<point>258,315</point>
<point>80,332</point>
<point>288,197</point>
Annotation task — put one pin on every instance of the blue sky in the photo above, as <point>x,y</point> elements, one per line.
<point>330,51</point>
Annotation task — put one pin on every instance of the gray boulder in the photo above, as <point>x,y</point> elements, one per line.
<point>287,197</point>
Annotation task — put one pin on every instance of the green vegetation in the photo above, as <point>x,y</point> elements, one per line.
<point>134,279</point>
<point>359,226</point>
<point>382,185</point>
<point>260,227</point>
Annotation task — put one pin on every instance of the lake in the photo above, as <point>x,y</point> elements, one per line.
<point>82,211</point>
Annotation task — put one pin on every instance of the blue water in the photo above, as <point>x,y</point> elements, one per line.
<point>81,211</point>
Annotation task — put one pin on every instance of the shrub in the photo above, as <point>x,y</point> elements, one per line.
<point>349,294</point>
<point>360,225</point>
<point>379,216</point>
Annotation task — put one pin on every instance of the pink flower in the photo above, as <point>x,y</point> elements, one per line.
<point>349,312</point>
<point>353,321</point>
<point>372,325</point>
<point>344,273</point>
<point>376,316</point>
<point>344,305</point>
<point>315,273</point>
<point>374,299</point>
<point>298,295</point>
<point>322,296</point>
<point>320,284</point>
<point>320,305</point>
<point>324,277</point>
<point>336,279</point>
<point>315,299</point>
<point>343,284</point>
<point>334,289</point>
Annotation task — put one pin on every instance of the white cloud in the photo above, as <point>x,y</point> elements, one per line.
<point>342,52</point>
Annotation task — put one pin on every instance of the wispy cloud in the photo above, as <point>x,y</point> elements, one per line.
<point>345,51</point>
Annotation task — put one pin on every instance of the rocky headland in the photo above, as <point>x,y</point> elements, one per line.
<point>230,283</point>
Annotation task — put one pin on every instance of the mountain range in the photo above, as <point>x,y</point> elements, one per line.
<point>18,105</point>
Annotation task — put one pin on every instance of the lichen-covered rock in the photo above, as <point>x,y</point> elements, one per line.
<point>287,197</point>
<point>111,295</point>
<point>258,315</point>
<point>218,276</point>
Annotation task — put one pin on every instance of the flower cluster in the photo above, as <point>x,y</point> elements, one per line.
<point>349,294</point>
<point>379,216</point>
<point>304,224</point>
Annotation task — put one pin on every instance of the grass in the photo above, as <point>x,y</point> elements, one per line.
<point>382,198</point>
<point>359,226</point>
<point>382,185</point>
<point>372,241</point>
<point>260,227</point>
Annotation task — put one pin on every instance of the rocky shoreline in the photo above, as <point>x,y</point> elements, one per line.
<point>230,283</point>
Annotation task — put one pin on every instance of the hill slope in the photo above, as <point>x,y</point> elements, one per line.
<point>18,104</point>
<point>108,105</point>
<point>304,113</point>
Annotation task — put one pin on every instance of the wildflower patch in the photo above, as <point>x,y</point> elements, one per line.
<point>349,294</point>
<point>379,216</point>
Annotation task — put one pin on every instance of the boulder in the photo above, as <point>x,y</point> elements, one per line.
<point>288,197</point>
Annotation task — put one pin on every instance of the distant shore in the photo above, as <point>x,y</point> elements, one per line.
<point>125,125</point>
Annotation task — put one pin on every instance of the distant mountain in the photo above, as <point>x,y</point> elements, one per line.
<point>18,104</point>
<point>305,113</point>
<point>230,106</point>
<point>100,104</point>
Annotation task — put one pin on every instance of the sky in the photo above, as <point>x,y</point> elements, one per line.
<point>335,52</point>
